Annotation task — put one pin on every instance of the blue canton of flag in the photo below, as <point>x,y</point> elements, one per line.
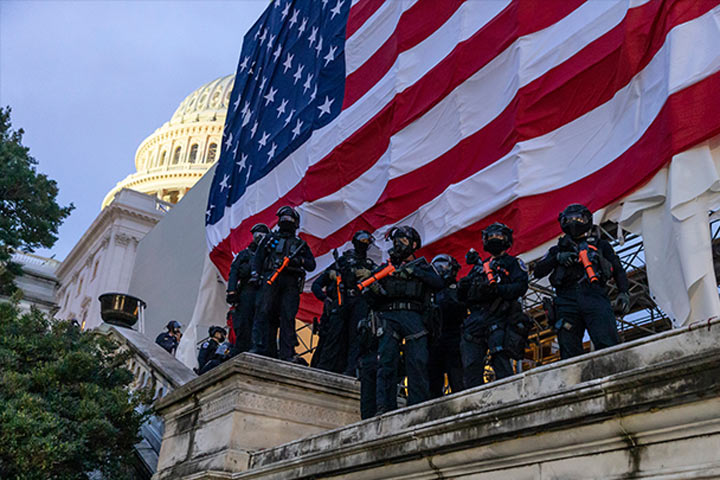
<point>290,81</point>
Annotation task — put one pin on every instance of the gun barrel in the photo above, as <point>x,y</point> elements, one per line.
<point>282,266</point>
<point>375,277</point>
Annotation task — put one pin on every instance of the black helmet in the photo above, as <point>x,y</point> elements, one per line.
<point>446,266</point>
<point>361,240</point>
<point>215,329</point>
<point>260,227</point>
<point>405,241</point>
<point>575,220</point>
<point>288,218</point>
<point>173,325</point>
<point>497,238</point>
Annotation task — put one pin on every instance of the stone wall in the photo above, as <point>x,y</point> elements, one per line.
<point>645,409</point>
<point>215,422</point>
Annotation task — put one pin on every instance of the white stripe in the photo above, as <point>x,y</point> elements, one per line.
<point>412,65</point>
<point>373,33</point>
<point>579,148</point>
<point>465,111</point>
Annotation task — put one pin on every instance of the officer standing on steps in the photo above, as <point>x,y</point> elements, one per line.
<point>279,268</point>
<point>241,294</point>
<point>344,307</point>
<point>216,336</point>
<point>169,340</point>
<point>579,267</point>
<point>444,355</point>
<point>491,290</point>
<point>401,299</point>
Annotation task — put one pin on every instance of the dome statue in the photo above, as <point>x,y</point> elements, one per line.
<point>176,155</point>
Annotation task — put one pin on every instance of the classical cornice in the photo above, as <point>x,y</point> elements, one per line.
<point>103,222</point>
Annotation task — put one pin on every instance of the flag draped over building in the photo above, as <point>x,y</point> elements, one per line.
<point>450,115</point>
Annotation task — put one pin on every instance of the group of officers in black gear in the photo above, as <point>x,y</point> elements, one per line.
<point>410,318</point>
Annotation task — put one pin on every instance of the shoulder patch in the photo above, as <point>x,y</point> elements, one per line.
<point>522,265</point>
<point>205,345</point>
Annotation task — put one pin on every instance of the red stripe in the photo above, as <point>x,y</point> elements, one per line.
<point>414,26</point>
<point>360,151</point>
<point>359,13</point>
<point>579,85</point>
<point>688,118</point>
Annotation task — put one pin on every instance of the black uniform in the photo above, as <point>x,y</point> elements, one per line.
<point>244,298</point>
<point>168,342</point>
<point>339,348</point>
<point>444,355</point>
<point>400,301</point>
<point>278,303</point>
<point>220,354</point>
<point>579,303</point>
<point>206,353</point>
<point>492,310</point>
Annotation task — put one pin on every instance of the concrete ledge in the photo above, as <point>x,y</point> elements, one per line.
<point>607,407</point>
<point>214,422</point>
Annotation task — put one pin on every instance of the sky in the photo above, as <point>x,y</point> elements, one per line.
<point>88,81</point>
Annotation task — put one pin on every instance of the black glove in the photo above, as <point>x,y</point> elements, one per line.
<point>296,262</point>
<point>254,279</point>
<point>231,297</point>
<point>566,259</point>
<point>622,303</point>
<point>472,257</point>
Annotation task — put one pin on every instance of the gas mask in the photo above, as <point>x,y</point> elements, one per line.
<point>496,243</point>
<point>401,249</point>
<point>361,242</point>
<point>287,224</point>
<point>576,224</point>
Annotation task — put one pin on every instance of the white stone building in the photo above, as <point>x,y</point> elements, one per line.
<point>103,259</point>
<point>37,282</point>
<point>176,155</point>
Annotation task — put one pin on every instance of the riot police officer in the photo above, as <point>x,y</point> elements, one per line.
<point>170,339</point>
<point>491,290</point>
<point>579,267</point>
<point>344,307</point>
<point>279,267</point>
<point>241,294</point>
<point>216,336</point>
<point>444,357</point>
<point>400,300</point>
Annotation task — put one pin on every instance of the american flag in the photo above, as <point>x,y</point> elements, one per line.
<point>449,115</point>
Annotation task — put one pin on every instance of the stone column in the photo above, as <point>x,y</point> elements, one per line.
<point>216,421</point>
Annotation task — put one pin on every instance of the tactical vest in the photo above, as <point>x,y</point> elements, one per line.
<point>403,289</point>
<point>601,267</point>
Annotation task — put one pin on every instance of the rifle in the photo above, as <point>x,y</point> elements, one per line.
<point>285,262</point>
<point>389,270</point>
<point>586,263</point>
<point>582,250</point>
<point>486,266</point>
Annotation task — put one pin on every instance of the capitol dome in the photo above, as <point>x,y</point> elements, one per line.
<point>176,155</point>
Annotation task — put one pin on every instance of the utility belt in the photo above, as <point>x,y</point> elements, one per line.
<point>410,305</point>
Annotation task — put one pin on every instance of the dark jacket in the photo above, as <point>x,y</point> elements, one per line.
<point>241,268</point>
<point>207,351</point>
<point>350,266</point>
<point>274,248</point>
<point>512,283</point>
<point>167,341</point>
<point>562,277</point>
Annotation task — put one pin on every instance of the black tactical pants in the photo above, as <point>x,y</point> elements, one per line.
<point>483,334</point>
<point>243,317</point>
<point>354,310</point>
<point>444,359</point>
<point>580,308</point>
<point>332,350</point>
<point>397,325</point>
<point>368,364</point>
<point>276,310</point>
